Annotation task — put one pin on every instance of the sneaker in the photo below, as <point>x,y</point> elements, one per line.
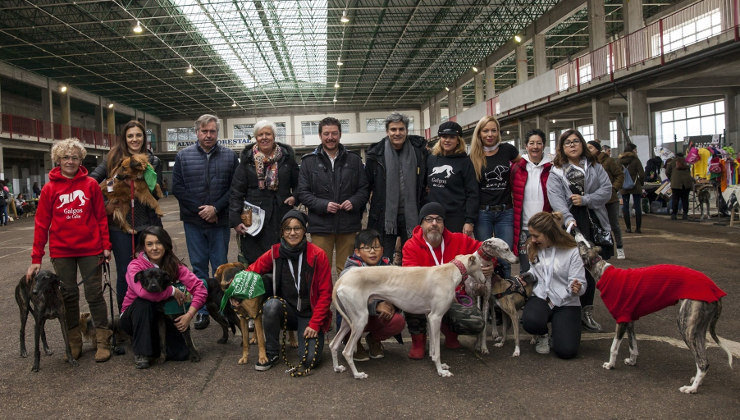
<point>376,347</point>
<point>543,344</point>
<point>271,361</point>
<point>141,362</point>
<point>201,321</point>
<point>620,253</point>
<point>588,321</point>
<point>360,353</point>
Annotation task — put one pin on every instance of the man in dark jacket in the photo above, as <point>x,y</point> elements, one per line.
<point>395,169</point>
<point>333,185</point>
<point>201,180</point>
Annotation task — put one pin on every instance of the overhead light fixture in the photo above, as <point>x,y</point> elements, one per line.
<point>344,18</point>
<point>336,84</point>
<point>339,62</point>
<point>517,38</point>
<point>447,89</point>
<point>335,99</point>
<point>138,29</point>
<point>63,88</point>
<point>554,121</point>
<point>234,104</point>
<point>475,69</point>
<point>507,132</point>
<point>189,70</point>
<point>110,106</point>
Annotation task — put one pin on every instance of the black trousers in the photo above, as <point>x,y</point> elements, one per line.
<point>141,322</point>
<point>389,240</point>
<point>683,195</point>
<point>565,321</point>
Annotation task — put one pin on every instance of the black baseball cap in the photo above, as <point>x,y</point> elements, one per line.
<point>450,128</point>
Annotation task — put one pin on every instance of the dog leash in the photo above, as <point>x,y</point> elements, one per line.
<point>114,328</point>
<point>133,223</point>
<point>295,371</point>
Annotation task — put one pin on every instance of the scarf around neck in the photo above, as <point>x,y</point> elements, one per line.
<point>403,165</point>
<point>267,168</point>
<point>289,252</point>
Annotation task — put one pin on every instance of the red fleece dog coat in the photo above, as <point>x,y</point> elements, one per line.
<point>635,292</point>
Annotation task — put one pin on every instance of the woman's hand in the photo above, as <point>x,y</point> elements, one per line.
<point>385,310</point>
<point>183,321</point>
<point>290,201</point>
<point>575,287</point>
<point>106,255</point>
<point>179,296</point>
<point>32,270</point>
<point>577,199</point>
<point>310,333</point>
<point>468,229</point>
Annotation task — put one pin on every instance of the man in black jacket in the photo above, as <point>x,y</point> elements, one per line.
<point>396,169</point>
<point>333,185</point>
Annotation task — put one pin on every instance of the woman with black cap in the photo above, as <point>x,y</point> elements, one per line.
<point>451,179</point>
<point>300,288</point>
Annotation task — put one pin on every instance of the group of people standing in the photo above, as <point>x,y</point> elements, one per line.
<point>434,198</point>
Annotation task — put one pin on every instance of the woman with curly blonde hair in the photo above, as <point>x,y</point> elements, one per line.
<point>561,279</point>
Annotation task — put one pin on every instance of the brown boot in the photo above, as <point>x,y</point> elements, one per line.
<point>418,341</point>
<point>75,341</point>
<point>376,347</point>
<point>102,338</point>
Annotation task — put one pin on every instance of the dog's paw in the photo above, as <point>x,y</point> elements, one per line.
<point>243,361</point>
<point>607,366</point>
<point>339,368</point>
<point>445,366</point>
<point>498,344</point>
<point>48,351</point>
<point>445,373</point>
<point>35,368</point>
<point>516,352</point>
<point>361,375</point>
<point>688,389</point>
<point>24,353</point>
<point>74,363</point>
<point>483,350</point>
<point>630,361</point>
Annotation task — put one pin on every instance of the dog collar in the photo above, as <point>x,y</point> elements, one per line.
<point>484,255</point>
<point>460,266</point>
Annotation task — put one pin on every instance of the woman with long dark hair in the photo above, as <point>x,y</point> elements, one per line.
<point>133,141</point>
<point>141,313</point>
<point>578,188</point>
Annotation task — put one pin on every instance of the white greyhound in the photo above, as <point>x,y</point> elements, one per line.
<point>419,290</point>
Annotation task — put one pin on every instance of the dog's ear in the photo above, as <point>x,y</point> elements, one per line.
<point>139,276</point>
<point>165,278</point>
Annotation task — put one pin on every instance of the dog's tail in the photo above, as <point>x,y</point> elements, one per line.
<point>712,325</point>
<point>340,307</point>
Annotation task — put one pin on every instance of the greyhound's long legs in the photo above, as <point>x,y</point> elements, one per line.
<point>614,351</point>
<point>632,360</point>
<point>334,346</point>
<point>693,324</point>
<point>358,326</point>
<point>434,321</point>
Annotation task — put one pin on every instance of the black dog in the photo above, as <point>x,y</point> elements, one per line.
<point>228,319</point>
<point>42,297</point>
<point>155,280</point>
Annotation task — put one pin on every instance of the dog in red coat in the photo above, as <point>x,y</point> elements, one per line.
<point>632,293</point>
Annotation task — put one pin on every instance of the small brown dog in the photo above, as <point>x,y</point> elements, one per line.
<point>510,296</point>
<point>245,309</point>
<point>119,199</point>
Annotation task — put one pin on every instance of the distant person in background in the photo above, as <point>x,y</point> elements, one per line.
<point>606,149</point>
<point>36,190</point>
<point>4,200</point>
<point>630,160</point>
<point>679,172</point>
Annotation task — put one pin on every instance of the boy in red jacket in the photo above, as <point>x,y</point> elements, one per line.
<point>71,216</point>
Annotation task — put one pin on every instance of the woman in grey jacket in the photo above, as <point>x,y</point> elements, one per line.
<point>579,188</point>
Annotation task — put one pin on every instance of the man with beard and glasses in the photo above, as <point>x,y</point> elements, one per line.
<point>431,244</point>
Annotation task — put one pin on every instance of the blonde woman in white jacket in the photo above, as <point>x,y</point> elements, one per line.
<point>561,279</point>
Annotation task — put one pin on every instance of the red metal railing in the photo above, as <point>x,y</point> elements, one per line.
<point>690,25</point>
<point>15,126</point>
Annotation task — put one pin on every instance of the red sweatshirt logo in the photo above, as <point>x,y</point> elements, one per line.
<point>65,199</point>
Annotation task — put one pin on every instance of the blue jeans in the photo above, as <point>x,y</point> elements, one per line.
<point>502,224</point>
<point>272,321</point>
<point>206,245</point>
<point>122,254</point>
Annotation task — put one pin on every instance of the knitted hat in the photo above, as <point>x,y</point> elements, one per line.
<point>295,214</point>
<point>595,144</point>
<point>431,208</point>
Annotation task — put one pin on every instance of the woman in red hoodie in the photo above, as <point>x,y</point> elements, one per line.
<point>71,216</point>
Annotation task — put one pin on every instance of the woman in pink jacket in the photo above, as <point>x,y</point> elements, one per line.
<point>142,309</point>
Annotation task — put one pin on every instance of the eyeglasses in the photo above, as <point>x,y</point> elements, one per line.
<point>292,229</point>
<point>569,143</point>
<point>370,248</point>
<point>72,158</point>
<point>430,219</point>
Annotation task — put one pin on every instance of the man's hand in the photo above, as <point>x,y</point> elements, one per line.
<point>487,269</point>
<point>240,229</point>
<point>577,199</point>
<point>106,255</point>
<point>290,201</point>
<point>385,310</point>
<point>310,333</point>
<point>347,205</point>
<point>208,213</point>
<point>32,270</point>
<point>332,207</point>
<point>468,229</point>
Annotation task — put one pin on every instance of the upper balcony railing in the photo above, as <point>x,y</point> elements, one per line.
<point>690,25</point>
<point>16,127</point>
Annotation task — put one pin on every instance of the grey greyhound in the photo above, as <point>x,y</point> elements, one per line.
<point>695,316</point>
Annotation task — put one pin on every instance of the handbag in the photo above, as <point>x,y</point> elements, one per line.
<point>601,236</point>
<point>628,183</point>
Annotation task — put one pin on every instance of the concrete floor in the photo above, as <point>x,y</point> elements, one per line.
<point>531,385</point>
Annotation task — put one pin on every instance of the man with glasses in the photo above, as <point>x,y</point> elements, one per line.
<point>396,168</point>
<point>333,185</point>
<point>431,244</point>
<point>201,180</point>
